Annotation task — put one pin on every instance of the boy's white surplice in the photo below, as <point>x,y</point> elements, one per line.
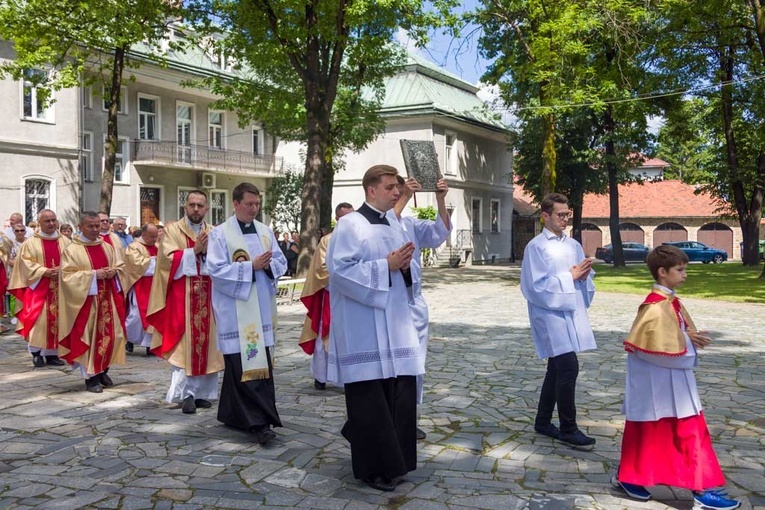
<point>372,334</point>
<point>557,304</point>
<point>232,281</point>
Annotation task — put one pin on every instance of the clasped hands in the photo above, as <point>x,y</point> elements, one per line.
<point>262,261</point>
<point>105,273</point>
<point>200,246</point>
<point>582,270</point>
<point>401,258</point>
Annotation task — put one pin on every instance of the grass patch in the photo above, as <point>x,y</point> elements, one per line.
<point>726,282</point>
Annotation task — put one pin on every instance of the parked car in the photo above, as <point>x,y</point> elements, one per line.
<point>700,252</point>
<point>632,252</point>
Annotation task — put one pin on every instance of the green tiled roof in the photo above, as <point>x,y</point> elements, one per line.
<point>423,87</point>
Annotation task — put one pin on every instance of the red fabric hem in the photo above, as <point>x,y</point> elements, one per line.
<point>670,451</point>
<point>171,323</point>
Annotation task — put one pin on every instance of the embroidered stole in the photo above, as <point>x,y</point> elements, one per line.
<point>252,346</point>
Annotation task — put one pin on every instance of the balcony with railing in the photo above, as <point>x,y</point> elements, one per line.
<point>171,154</point>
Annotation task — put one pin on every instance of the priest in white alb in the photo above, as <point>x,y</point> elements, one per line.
<point>374,349</point>
<point>140,264</point>
<point>244,262</point>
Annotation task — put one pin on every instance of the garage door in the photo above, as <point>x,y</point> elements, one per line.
<point>592,238</point>
<point>669,232</point>
<point>632,233</point>
<point>717,236</point>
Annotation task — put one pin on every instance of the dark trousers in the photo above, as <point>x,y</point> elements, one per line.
<point>559,387</point>
<point>382,426</point>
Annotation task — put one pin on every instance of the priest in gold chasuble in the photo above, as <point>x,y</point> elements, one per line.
<point>91,306</point>
<point>180,309</point>
<point>34,283</point>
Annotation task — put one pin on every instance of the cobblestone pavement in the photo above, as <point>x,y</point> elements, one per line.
<point>61,447</point>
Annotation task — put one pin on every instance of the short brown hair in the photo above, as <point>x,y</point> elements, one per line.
<point>549,201</point>
<point>241,189</point>
<point>373,176</point>
<point>665,256</point>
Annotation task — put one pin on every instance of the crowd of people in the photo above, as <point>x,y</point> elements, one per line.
<point>203,298</point>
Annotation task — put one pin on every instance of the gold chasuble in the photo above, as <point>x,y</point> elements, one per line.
<point>91,328</point>
<point>181,310</point>
<point>656,329</point>
<point>37,308</point>
<point>137,259</point>
<point>316,299</point>
<point>5,251</point>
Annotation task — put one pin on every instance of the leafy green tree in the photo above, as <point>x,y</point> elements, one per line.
<point>426,213</point>
<point>554,58</point>
<point>686,142</point>
<point>315,70</point>
<point>699,47</point>
<point>283,200</point>
<point>83,42</point>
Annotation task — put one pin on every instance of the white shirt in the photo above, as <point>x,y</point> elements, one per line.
<point>557,304</point>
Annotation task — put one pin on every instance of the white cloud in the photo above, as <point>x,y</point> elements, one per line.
<point>655,123</point>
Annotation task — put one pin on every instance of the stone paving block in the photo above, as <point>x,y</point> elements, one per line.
<point>289,477</point>
<point>489,502</point>
<point>82,499</point>
<point>260,470</point>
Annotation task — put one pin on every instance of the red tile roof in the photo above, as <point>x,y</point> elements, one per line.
<point>653,199</point>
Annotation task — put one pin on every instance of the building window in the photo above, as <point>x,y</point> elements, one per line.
<point>215,123</point>
<point>449,142</point>
<point>257,141</point>
<point>477,227</point>
<point>218,203</point>
<point>120,161</point>
<point>87,97</point>
<point>123,106</point>
<point>148,117</point>
<point>184,125</point>
<point>37,196</point>
<point>495,216</point>
<point>87,157</point>
<point>34,103</point>
<point>183,194</point>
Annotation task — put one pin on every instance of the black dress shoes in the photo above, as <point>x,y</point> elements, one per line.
<point>105,380</point>
<point>93,385</point>
<point>264,434</point>
<point>548,430</point>
<point>319,385</point>
<point>381,483</point>
<point>128,347</point>
<point>202,403</point>
<point>37,360</point>
<point>188,406</point>
<point>421,434</point>
<point>55,361</point>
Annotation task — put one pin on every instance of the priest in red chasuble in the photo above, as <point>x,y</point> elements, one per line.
<point>140,264</point>
<point>34,283</point>
<point>91,305</point>
<point>180,309</point>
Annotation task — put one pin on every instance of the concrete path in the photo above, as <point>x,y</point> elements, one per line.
<point>61,447</point>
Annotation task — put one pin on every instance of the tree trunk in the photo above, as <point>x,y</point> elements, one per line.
<point>613,190</point>
<point>311,195</point>
<point>110,149</point>
<point>576,220</point>
<point>327,182</point>
<point>549,155</point>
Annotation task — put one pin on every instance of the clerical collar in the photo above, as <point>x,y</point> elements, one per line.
<point>373,216</point>
<point>54,235</point>
<point>375,209</point>
<point>196,227</point>
<point>81,237</point>
<point>104,234</point>
<point>247,228</point>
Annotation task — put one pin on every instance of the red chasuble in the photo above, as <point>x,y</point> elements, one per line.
<point>319,315</point>
<point>105,320</point>
<point>35,299</point>
<point>3,286</point>
<point>171,321</point>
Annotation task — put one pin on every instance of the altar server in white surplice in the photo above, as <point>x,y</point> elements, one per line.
<point>556,280</point>
<point>245,262</point>
<point>374,349</point>
<point>424,234</point>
